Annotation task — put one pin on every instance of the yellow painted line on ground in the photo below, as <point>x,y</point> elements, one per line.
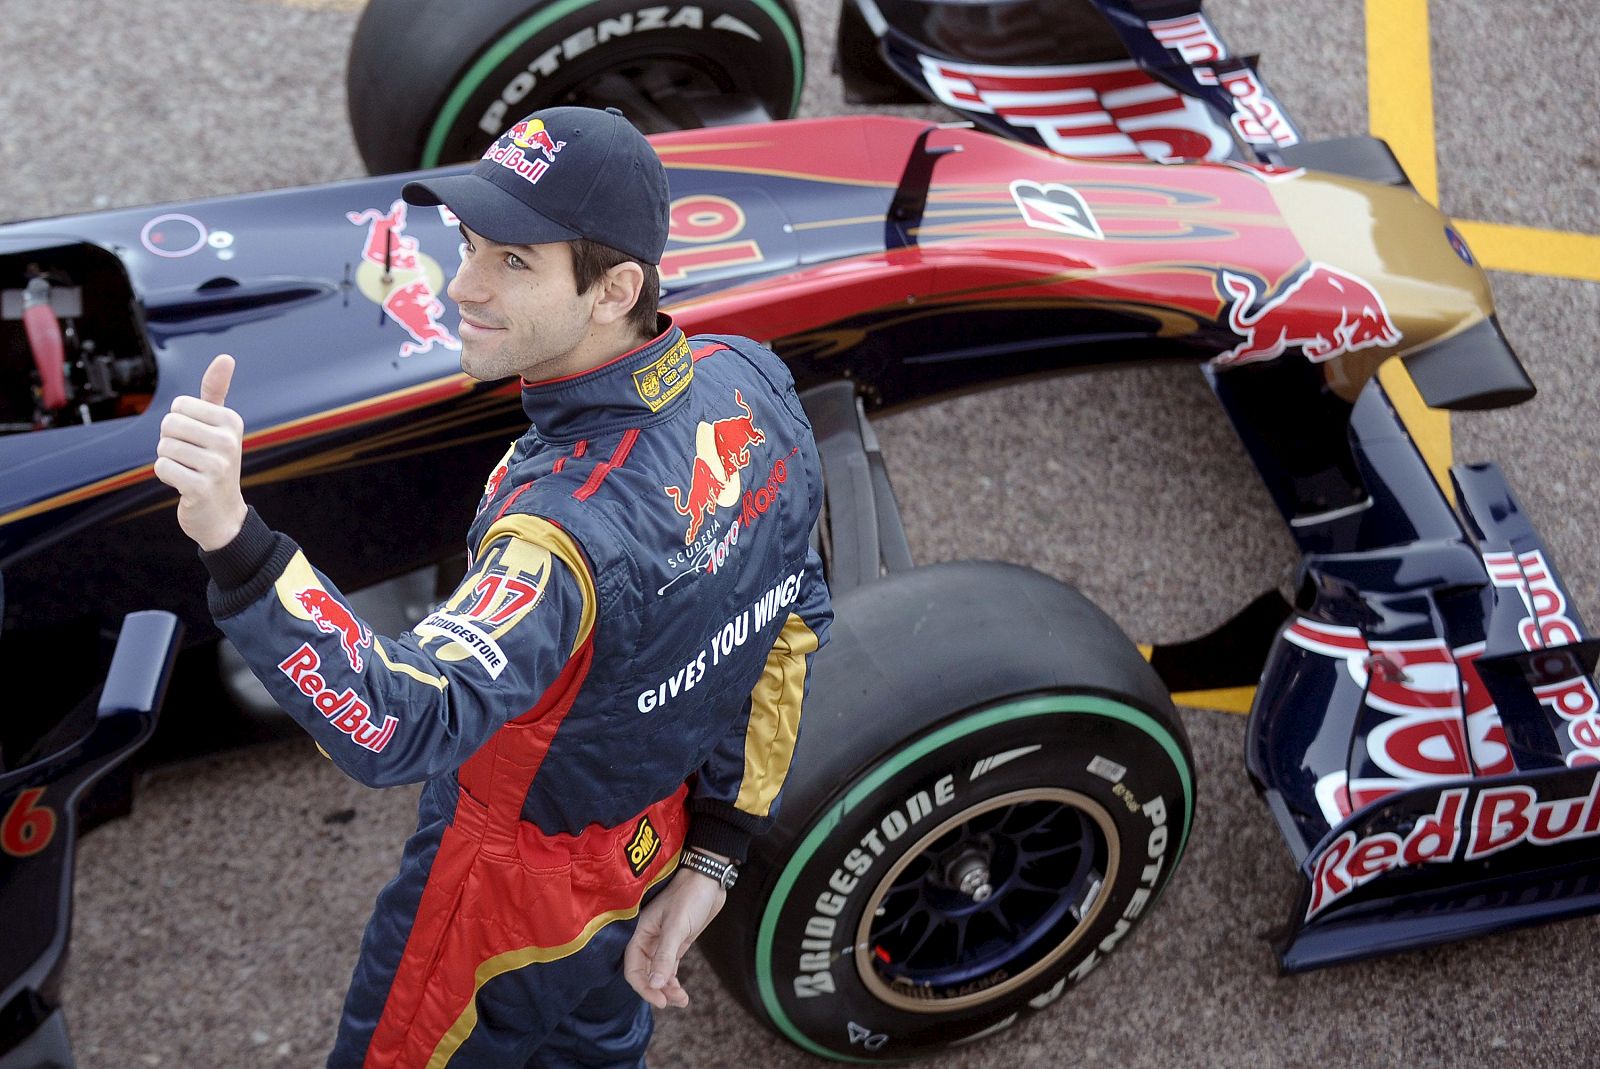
<point>1400,110</point>
<point>1429,427</point>
<point>1400,88</point>
<point>1532,251</point>
<point>1227,700</point>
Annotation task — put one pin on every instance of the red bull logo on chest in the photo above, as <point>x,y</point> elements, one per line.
<point>1325,311</point>
<point>722,451</point>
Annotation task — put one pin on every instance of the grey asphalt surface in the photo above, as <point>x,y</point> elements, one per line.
<point>217,925</point>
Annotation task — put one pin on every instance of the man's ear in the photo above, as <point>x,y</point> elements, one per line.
<point>619,291</point>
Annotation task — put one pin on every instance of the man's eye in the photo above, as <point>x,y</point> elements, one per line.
<point>515,262</point>
<point>465,249</point>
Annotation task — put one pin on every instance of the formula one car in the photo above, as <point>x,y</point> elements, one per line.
<point>993,789</point>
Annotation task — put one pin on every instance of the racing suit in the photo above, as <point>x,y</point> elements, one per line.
<point>621,672</point>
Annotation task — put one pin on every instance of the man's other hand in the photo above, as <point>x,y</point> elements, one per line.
<point>202,441</point>
<point>668,926</point>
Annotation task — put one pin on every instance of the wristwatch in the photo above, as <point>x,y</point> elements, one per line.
<point>724,872</point>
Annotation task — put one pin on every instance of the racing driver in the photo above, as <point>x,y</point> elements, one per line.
<point>604,711</point>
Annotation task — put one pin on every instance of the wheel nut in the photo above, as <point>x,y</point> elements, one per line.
<point>975,883</point>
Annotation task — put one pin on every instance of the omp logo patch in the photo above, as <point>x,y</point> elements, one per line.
<point>666,378</point>
<point>646,844</point>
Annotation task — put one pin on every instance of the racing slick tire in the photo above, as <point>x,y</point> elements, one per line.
<point>990,790</point>
<point>433,82</point>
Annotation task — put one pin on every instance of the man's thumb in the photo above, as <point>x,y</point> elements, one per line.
<point>668,951</point>
<point>214,384</point>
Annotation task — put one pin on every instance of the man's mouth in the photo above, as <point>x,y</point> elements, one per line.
<point>471,325</point>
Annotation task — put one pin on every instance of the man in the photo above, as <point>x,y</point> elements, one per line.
<point>605,709</point>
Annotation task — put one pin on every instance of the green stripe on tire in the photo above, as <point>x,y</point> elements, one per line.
<point>864,790</point>
<point>473,80</point>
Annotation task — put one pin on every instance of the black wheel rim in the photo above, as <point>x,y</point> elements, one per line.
<point>663,92</point>
<point>987,901</point>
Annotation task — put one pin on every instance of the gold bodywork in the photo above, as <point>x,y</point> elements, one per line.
<point>1395,241</point>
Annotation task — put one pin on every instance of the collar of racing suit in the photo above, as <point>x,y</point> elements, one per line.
<point>636,389</point>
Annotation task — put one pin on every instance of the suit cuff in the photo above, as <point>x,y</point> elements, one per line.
<point>245,568</point>
<point>722,829</point>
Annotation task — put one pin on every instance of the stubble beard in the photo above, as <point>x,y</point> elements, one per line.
<point>546,358</point>
<point>485,367</point>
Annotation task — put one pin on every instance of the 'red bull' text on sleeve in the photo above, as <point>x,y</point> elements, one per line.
<point>401,710</point>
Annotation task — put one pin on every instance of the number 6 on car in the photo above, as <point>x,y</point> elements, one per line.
<point>28,826</point>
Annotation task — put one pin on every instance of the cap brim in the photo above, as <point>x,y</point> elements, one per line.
<point>488,210</point>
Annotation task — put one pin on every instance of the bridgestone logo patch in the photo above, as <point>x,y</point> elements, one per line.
<point>465,634</point>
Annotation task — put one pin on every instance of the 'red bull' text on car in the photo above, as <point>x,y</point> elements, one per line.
<point>992,790</point>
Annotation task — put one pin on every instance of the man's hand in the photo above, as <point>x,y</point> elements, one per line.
<point>199,454</point>
<point>668,925</point>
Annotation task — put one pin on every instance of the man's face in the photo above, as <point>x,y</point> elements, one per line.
<point>521,313</point>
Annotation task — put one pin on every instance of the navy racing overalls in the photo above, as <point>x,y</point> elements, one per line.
<point>620,673</point>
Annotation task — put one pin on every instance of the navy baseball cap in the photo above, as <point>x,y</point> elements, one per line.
<point>558,175</point>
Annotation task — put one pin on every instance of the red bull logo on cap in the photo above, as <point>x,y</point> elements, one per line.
<point>531,134</point>
<point>526,138</point>
<point>722,450</point>
<point>1325,311</point>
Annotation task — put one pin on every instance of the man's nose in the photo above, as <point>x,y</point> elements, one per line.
<point>466,287</point>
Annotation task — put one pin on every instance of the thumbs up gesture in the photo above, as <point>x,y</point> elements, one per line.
<point>202,441</point>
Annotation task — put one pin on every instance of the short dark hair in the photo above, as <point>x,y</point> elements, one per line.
<point>591,260</point>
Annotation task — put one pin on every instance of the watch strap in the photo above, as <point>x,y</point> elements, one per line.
<point>723,872</point>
